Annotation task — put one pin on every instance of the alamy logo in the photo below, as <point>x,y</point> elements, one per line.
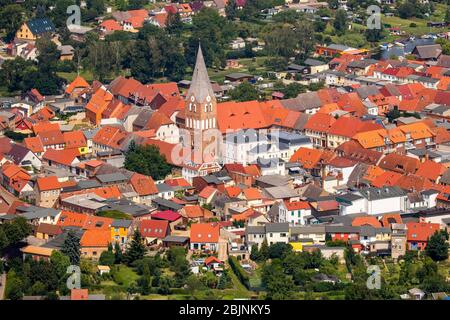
<point>374,280</point>
<point>374,19</point>
<point>74,280</point>
<point>75,15</point>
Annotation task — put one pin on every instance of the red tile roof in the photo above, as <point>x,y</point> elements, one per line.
<point>154,228</point>
<point>64,157</point>
<point>168,215</point>
<point>205,233</point>
<point>48,183</point>
<point>143,185</point>
<point>421,231</point>
<point>431,170</point>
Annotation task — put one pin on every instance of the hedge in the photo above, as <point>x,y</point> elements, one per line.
<point>239,271</point>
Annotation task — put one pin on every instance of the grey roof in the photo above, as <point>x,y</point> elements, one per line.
<point>314,62</point>
<point>57,242</point>
<point>382,193</point>
<point>255,230</point>
<point>40,26</point>
<point>274,180</point>
<point>277,227</point>
<point>341,229</point>
<point>111,177</point>
<point>40,213</point>
<point>365,91</point>
<point>428,51</point>
<point>163,187</point>
<point>167,203</point>
<point>89,134</point>
<point>200,86</point>
<point>121,223</point>
<point>340,47</point>
<point>282,192</point>
<point>348,197</point>
<point>307,229</point>
<point>179,239</point>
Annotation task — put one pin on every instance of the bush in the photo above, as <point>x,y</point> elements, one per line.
<point>412,25</point>
<point>239,271</point>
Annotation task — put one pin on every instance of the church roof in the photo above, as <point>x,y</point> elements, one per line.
<point>200,84</point>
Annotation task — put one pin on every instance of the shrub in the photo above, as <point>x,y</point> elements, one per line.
<point>239,271</point>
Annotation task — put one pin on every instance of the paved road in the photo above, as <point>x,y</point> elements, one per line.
<point>3,284</point>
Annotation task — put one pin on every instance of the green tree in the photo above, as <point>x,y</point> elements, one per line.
<point>15,288</point>
<point>60,262</point>
<point>231,10</point>
<point>147,160</point>
<point>255,255</point>
<point>71,248</point>
<point>118,257</point>
<point>279,286</point>
<point>107,258</point>
<point>340,22</point>
<point>11,18</point>
<point>244,92</point>
<point>437,247</point>
<point>136,250</point>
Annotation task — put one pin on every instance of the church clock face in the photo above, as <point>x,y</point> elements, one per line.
<point>208,98</point>
<point>192,98</point>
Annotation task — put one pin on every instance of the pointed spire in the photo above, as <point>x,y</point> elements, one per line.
<point>200,85</point>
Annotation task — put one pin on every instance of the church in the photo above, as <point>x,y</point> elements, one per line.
<point>205,125</point>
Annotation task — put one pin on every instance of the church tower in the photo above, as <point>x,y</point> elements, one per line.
<point>201,104</point>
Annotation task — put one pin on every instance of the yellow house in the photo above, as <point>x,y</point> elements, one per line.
<point>33,29</point>
<point>120,230</point>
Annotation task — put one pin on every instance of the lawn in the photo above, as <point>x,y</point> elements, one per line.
<point>124,276</point>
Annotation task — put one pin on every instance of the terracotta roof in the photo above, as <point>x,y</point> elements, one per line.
<point>233,191</point>
<point>50,229</point>
<point>154,228</point>
<point>157,120</point>
<point>431,170</point>
<point>49,138</point>
<point>388,219</point>
<point>78,82</point>
<point>309,158</point>
<point>194,211</point>
<point>297,205</point>
<point>143,185</point>
<point>79,294</point>
<point>252,194</point>
<point>34,144</point>
<point>399,163</point>
<point>74,139</point>
<point>48,183</point>
<point>362,221</point>
<point>205,233</point>
<point>320,122</point>
<point>95,238</point>
<point>111,25</point>
<point>43,126</point>
<point>207,192</point>
<point>421,231</point>
<point>387,178</point>
<point>65,157</point>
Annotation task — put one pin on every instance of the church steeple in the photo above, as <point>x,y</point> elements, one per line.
<point>200,105</point>
<point>200,85</point>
